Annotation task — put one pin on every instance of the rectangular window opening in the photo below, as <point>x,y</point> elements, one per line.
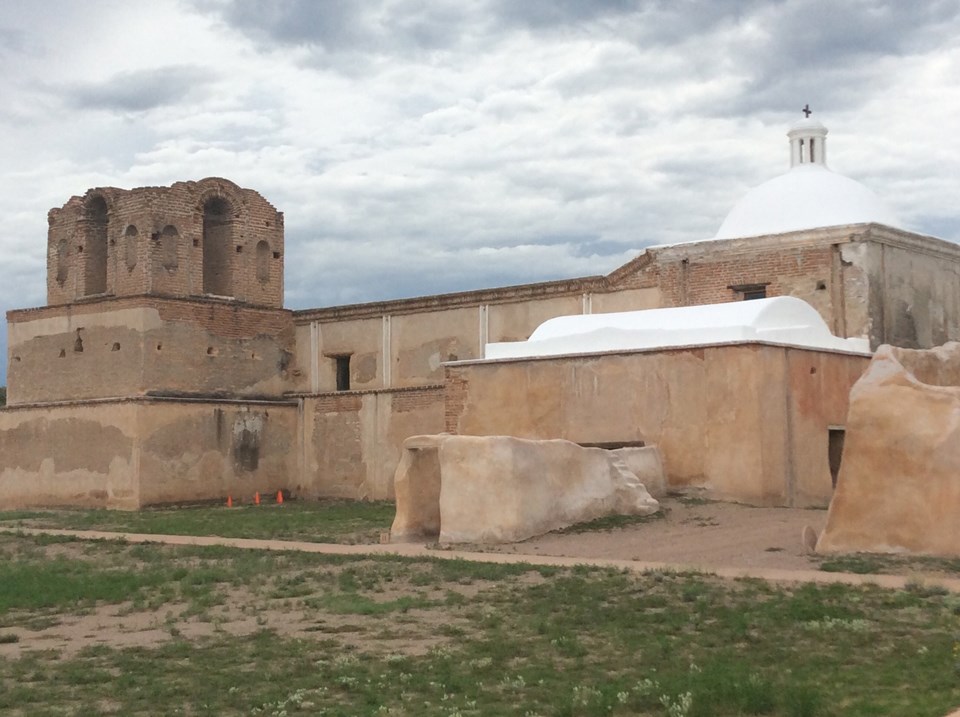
<point>343,372</point>
<point>748,292</point>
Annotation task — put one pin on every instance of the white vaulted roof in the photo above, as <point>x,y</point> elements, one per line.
<point>781,320</point>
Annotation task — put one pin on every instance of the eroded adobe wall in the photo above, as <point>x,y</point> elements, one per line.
<point>353,441</point>
<point>210,450</point>
<point>404,348</point>
<point>914,290</point>
<point>153,240</point>
<point>748,422</point>
<point>213,348</point>
<point>135,346</point>
<point>73,455</point>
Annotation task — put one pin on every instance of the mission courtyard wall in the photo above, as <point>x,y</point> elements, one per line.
<point>744,422</point>
<point>130,453</point>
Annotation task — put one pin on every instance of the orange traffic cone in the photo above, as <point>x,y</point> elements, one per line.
<point>279,497</point>
<point>229,501</point>
<point>256,498</point>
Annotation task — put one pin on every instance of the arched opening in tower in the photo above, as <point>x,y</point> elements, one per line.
<point>217,244</point>
<point>95,276</point>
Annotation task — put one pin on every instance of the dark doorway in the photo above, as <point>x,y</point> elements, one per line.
<point>835,452</point>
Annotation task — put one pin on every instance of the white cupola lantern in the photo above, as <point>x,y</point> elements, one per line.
<point>808,141</point>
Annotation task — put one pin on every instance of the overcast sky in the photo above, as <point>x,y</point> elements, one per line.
<point>424,146</point>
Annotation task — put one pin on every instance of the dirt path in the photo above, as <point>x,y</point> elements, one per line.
<point>703,534</point>
<point>724,539</point>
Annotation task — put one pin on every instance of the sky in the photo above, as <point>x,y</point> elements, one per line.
<point>428,146</point>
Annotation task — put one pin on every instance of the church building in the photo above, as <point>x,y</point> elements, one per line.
<point>164,367</point>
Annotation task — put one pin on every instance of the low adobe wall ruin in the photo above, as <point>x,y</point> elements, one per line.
<point>899,484</point>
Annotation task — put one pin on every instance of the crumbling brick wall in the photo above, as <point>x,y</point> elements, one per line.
<point>188,240</point>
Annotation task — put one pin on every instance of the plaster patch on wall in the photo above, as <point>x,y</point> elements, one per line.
<point>72,444</point>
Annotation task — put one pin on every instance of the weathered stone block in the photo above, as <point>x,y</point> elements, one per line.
<point>499,489</point>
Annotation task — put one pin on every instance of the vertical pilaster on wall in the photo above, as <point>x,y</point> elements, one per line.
<point>483,312</point>
<point>301,481</point>
<point>838,292</point>
<point>387,355</point>
<point>884,314</point>
<point>586,303</point>
<point>315,338</point>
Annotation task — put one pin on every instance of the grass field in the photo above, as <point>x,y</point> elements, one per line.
<point>89,628</point>
<point>330,521</point>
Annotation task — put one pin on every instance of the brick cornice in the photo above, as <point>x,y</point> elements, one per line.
<point>142,301</point>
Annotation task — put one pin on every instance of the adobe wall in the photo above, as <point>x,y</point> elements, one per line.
<point>746,422</point>
<point>79,455</point>
<point>914,291</point>
<point>352,441</point>
<point>400,346</point>
<point>127,347</point>
<point>152,240</point>
<point>132,453</point>
<point>864,280</point>
<point>208,450</point>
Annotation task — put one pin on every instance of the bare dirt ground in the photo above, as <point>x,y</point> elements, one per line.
<point>706,534</point>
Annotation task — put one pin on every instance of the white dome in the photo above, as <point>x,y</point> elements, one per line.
<point>807,197</point>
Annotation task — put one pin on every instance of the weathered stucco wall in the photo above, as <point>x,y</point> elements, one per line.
<point>864,280</point>
<point>914,297</point>
<point>747,422</point>
<point>407,349</point>
<point>420,343</point>
<point>132,453</point>
<point>83,455</point>
<point>353,441</point>
<point>128,347</point>
<point>208,450</point>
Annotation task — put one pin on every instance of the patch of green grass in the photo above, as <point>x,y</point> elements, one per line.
<point>860,564</point>
<point>871,563</point>
<point>68,583</point>
<point>332,521</point>
<point>436,637</point>
<point>613,522</point>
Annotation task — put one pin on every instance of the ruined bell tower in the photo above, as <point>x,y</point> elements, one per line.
<point>206,239</point>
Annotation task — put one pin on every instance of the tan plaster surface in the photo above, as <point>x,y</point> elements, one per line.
<point>899,483</point>
<point>745,422</point>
